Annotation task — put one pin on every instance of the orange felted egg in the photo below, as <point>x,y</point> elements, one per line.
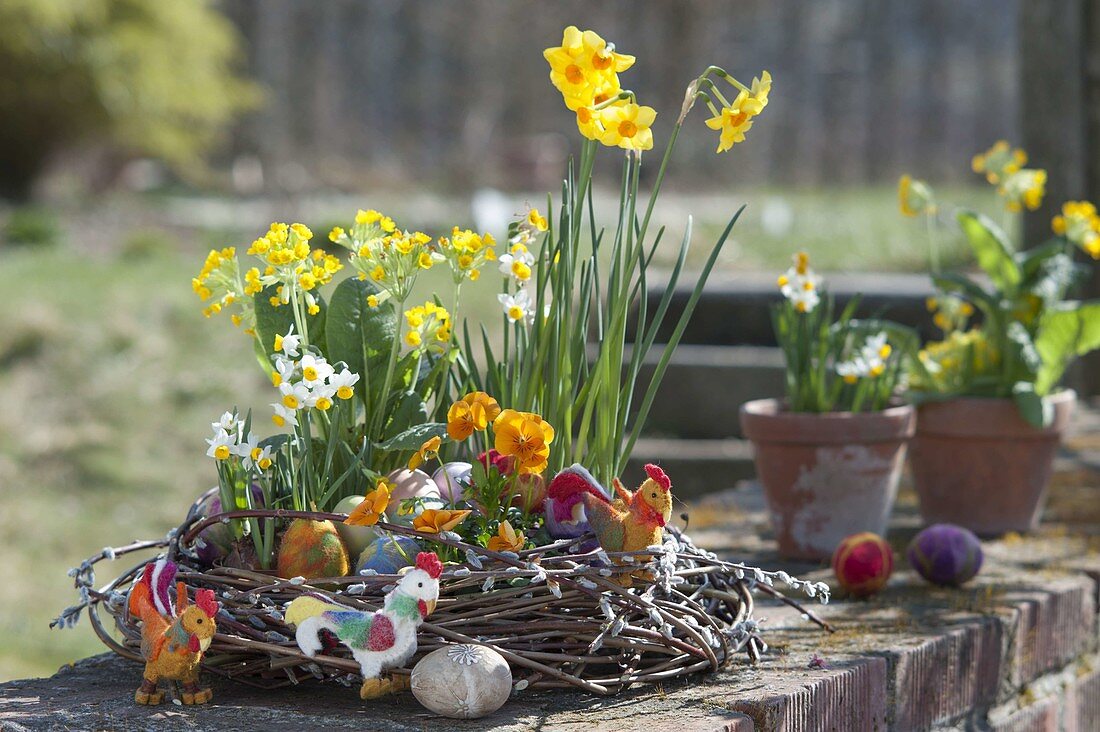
<point>863,563</point>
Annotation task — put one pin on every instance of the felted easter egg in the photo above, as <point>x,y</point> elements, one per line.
<point>945,554</point>
<point>412,484</point>
<point>312,549</point>
<point>216,541</point>
<point>564,506</point>
<point>863,563</point>
<point>356,538</point>
<point>462,681</point>
<point>530,492</point>
<point>388,554</point>
<point>452,479</point>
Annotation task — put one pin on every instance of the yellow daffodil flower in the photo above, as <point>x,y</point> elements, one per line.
<point>626,125</point>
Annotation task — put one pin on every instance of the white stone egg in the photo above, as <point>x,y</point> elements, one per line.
<point>462,681</point>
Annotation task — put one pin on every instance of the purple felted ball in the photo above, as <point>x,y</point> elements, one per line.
<point>945,554</point>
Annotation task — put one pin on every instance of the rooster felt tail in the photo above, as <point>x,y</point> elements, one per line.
<point>152,593</point>
<point>568,487</point>
<point>308,614</point>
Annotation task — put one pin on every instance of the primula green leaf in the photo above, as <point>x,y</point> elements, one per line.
<point>353,329</point>
<point>272,321</point>
<point>1035,410</point>
<point>1026,356</point>
<point>410,410</point>
<point>1064,334</point>
<point>953,283</point>
<point>992,250</point>
<point>414,437</point>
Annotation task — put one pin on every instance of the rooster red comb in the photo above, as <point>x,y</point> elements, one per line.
<point>429,562</point>
<point>204,599</point>
<point>659,477</point>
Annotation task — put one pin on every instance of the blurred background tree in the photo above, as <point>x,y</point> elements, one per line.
<point>149,77</point>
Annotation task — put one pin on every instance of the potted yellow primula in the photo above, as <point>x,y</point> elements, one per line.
<point>991,413</point>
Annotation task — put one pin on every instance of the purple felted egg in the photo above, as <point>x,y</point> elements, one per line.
<point>564,505</point>
<point>945,554</point>
<point>452,479</point>
<point>216,541</point>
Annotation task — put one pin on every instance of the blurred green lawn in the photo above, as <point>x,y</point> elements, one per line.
<point>110,377</point>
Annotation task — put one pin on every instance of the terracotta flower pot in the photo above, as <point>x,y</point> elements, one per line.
<point>826,476</point>
<point>978,464</point>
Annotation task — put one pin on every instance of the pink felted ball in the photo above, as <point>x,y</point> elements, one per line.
<point>863,563</point>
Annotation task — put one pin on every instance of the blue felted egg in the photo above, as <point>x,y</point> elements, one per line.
<point>387,555</point>
<point>945,554</point>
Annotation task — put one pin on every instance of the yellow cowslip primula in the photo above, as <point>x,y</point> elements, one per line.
<point>220,281</point>
<point>524,436</point>
<point>585,68</point>
<point>507,539</point>
<point>374,504</point>
<point>949,312</point>
<point>1024,188</point>
<point>467,252</point>
<point>428,451</point>
<point>915,197</point>
<point>429,327</point>
<point>471,414</point>
<point>735,118</point>
<point>293,267</point>
<point>384,254</point>
<point>1080,224</point>
<point>438,520</point>
<point>627,125</point>
<point>999,161</point>
<point>951,364</point>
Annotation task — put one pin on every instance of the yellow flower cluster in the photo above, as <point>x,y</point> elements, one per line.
<point>735,118</point>
<point>429,327</point>
<point>585,69</point>
<point>951,363</point>
<point>387,256</point>
<point>915,197</point>
<point>467,252</point>
<point>292,265</point>
<point>999,162</point>
<point>220,280</point>
<point>1024,189</point>
<point>950,313</point>
<point>524,436</point>
<point>471,414</point>
<point>1080,224</point>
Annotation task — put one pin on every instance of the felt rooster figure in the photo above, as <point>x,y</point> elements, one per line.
<point>378,640</point>
<point>631,522</point>
<point>173,639</point>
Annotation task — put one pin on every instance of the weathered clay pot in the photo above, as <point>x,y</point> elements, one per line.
<point>978,464</point>
<point>826,476</point>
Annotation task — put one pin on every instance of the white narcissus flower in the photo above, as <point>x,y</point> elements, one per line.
<point>314,369</point>
<point>227,422</point>
<point>517,263</point>
<point>221,445</point>
<point>295,396</point>
<point>517,306</point>
<point>284,416</point>
<point>284,371</point>
<point>800,284</point>
<point>343,383</point>
<point>320,396</point>
<point>252,455</point>
<point>288,343</point>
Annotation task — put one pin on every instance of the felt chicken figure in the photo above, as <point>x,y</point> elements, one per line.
<point>631,522</point>
<point>173,639</point>
<point>378,640</point>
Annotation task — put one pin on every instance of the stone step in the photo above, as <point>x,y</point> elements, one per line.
<point>735,308</point>
<point>696,466</point>
<point>705,386</point>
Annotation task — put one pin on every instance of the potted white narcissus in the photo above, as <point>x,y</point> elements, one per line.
<point>830,454</point>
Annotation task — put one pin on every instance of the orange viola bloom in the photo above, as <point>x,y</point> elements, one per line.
<point>436,520</point>
<point>507,539</point>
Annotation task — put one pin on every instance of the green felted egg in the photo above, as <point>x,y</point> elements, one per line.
<point>312,549</point>
<point>356,538</point>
